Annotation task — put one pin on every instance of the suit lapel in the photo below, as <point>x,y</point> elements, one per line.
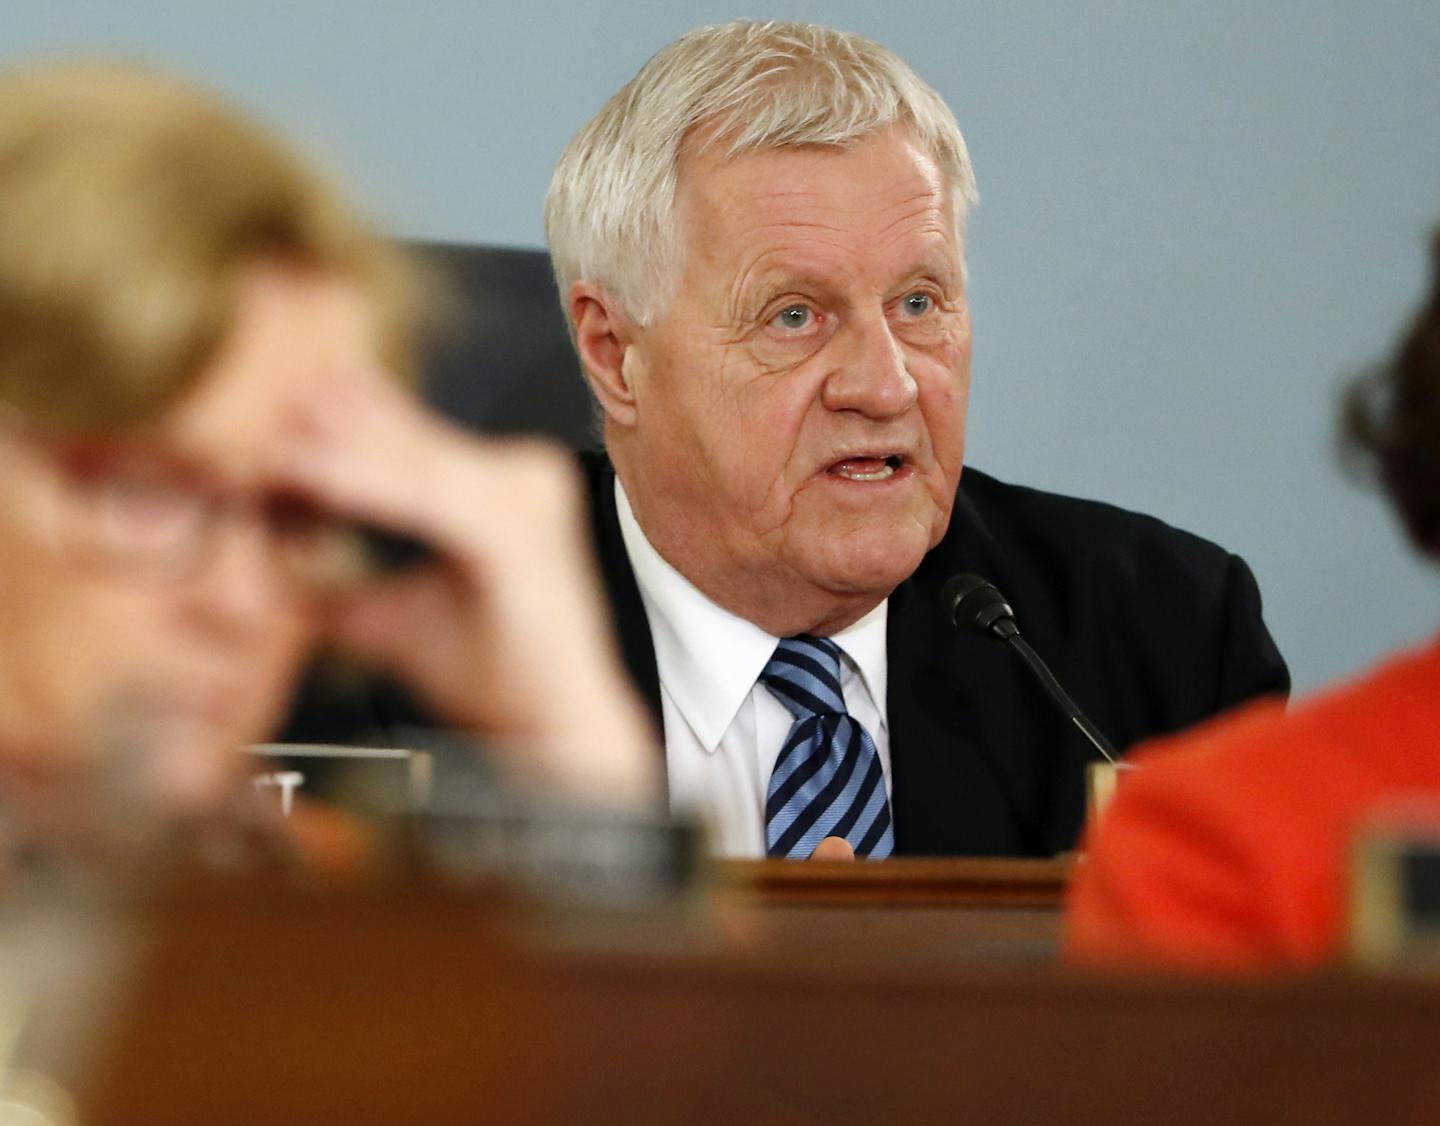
<point>952,794</point>
<point>632,626</point>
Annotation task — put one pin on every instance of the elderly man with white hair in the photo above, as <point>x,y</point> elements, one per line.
<point>759,241</point>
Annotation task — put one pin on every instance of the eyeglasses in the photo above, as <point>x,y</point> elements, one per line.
<point>137,510</point>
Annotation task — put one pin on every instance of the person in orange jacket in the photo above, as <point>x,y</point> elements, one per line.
<point>1227,848</point>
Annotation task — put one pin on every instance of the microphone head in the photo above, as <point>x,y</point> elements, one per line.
<point>971,602</point>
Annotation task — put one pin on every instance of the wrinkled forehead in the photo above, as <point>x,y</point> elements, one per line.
<point>880,198</point>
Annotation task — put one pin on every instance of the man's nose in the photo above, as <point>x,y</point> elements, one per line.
<point>871,375</point>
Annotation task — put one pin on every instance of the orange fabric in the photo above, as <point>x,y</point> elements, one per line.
<point>1227,850</point>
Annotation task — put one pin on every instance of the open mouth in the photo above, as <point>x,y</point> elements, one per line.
<point>877,467</point>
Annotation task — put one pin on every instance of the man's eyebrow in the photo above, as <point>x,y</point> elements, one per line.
<point>767,284</point>
<point>780,276</point>
<point>944,267</point>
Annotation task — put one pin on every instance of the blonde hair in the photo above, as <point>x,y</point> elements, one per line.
<point>131,203</point>
<point>609,214</point>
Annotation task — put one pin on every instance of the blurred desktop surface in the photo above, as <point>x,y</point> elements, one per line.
<point>414,997</point>
<point>761,1001</point>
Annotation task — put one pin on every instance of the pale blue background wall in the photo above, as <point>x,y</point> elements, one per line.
<point>1196,219</point>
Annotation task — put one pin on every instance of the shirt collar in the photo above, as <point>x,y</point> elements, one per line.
<point>709,659</point>
<point>864,643</point>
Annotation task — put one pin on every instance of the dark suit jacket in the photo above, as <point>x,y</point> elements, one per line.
<point>1151,629</point>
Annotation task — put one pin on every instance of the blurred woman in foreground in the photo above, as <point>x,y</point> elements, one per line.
<point>202,355</point>
<point>1227,850</point>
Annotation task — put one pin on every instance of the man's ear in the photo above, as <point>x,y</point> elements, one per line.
<point>605,339</point>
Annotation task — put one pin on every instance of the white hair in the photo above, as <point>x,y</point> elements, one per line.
<point>609,214</point>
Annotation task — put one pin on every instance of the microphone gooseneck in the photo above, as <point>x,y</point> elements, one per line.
<point>973,603</point>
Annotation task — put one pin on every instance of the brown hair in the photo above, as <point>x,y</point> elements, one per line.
<point>130,205</point>
<point>1392,418</point>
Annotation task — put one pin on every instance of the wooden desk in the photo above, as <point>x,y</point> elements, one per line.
<point>901,910</point>
<point>382,1006</point>
<point>901,882</point>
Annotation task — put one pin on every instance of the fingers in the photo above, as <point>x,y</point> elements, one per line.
<point>833,848</point>
<point>424,631</point>
<point>381,624</point>
<point>366,451</point>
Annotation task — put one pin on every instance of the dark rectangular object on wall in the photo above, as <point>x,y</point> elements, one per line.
<point>500,359</point>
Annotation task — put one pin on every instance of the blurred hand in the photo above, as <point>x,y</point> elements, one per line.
<point>507,634</point>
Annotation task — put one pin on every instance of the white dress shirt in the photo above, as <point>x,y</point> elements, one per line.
<point>723,728</point>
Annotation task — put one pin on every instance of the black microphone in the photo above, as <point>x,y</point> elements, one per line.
<point>971,602</point>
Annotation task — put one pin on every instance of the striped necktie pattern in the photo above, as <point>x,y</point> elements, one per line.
<point>828,781</point>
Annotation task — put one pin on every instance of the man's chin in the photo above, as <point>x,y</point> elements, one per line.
<point>874,573</point>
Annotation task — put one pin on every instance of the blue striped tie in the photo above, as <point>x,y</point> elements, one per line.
<point>828,781</point>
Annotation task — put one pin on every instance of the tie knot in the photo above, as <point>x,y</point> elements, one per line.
<point>804,675</point>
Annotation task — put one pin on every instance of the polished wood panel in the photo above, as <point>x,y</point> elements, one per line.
<point>402,1005</point>
<point>932,910</point>
<point>911,882</point>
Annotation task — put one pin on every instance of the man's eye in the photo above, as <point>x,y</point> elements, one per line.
<point>918,304</point>
<point>793,317</point>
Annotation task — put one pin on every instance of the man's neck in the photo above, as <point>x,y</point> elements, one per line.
<point>778,601</point>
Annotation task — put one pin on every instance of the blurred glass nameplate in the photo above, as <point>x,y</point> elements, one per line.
<point>1395,887</point>
<point>366,780</point>
<point>460,820</point>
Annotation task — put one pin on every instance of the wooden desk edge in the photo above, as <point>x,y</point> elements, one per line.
<point>921,881</point>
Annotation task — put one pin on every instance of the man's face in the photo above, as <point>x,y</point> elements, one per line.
<point>119,617</point>
<point>800,402</point>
